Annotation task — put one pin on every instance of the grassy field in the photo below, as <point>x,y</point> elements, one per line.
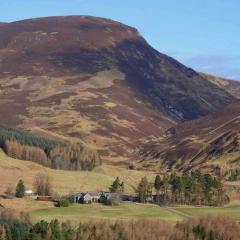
<point>127,210</point>
<point>130,211</point>
<point>232,211</point>
<point>11,170</point>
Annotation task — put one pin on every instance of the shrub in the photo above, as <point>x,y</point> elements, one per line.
<point>113,200</point>
<point>131,167</point>
<point>63,203</point>
<point>10,192</point>
<point>6,214</point>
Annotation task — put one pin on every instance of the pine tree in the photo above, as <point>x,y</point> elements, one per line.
<point>20,189</point>
<point>117,186</point>
<point>165,181</point>
<point>143,190</point>
<point>157,185</point>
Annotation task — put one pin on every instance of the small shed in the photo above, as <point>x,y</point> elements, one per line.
<point>29,193</point>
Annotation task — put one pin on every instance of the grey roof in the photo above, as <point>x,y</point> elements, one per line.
<point>83,195</point>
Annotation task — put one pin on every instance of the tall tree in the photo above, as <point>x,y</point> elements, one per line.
<point>158,185</point>
<point>20,189</point>
<point>165,181</point>
<point>42,185</point>
<point>143,190</point>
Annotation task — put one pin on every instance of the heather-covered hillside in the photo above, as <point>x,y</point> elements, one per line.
<point>96,80</point>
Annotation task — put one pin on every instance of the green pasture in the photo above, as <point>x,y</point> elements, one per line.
<point>129,211</point>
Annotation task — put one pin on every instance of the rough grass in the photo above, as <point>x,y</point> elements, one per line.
<point>232,211</point>
<point>11,170</point>
<point>26,204</point>
<point>97,109</point>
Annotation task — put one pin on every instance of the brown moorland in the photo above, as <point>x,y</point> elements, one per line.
<point>211,143</point>
<point>98,81</point>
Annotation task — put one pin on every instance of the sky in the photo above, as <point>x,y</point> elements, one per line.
<point>203,34</point>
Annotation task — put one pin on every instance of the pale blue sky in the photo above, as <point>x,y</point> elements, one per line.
<point>203,34</point>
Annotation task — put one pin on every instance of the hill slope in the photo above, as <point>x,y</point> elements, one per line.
<point>64,182</point>
<point>232,86</point>
<point>97,80</point>
<point>211,143</point>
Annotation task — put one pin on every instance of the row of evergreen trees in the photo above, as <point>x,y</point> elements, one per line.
<point>192,188</point>
<point>27,139</point>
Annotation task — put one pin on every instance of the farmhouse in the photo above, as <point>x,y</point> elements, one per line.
<point>99,197</point>
<point>91,197</point>
<point>86,197</point>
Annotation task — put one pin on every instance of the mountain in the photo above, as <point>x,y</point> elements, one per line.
<point>98,81</point>
<point>211,143</point>
<point>231,86</point>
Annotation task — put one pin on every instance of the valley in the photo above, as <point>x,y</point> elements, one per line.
<point>104,137</point>
<point>211,143</point>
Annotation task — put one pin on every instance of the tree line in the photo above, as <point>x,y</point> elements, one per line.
<point>205,228</point>
<point>50,153</point>
<point>27,139</point>
<point>194,188</point>
<point>74,157</point>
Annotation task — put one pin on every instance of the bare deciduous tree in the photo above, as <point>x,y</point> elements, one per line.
<point>42,184</point>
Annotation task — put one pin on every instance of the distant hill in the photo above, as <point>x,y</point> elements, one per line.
<point>98,81</point>
<point>211,143</point>
<point>232,86</point>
